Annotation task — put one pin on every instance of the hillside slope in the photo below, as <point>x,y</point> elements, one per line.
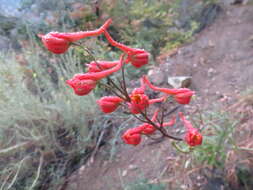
<point>220,62</point>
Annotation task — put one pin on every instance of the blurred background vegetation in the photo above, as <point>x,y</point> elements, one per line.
<point>47,132</point>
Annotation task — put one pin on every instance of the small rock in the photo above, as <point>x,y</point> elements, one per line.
<point>179,82</point>
<point>211,43</point>
<point>105,163</point>
<point>156,76</point>
<point>202,60</point>
<point>124,173</point>
<point>132,167</point>
<point>183,186</point>
<point>210,72</point>
<point>117,160</point>
<point>81,170</point>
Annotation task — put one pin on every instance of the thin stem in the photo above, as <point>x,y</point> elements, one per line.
<point>114,85</point>
<point>172,111</point>
<point>18,171</point>
<point>124,83</point>
<point>6,180</point>
<point>113,91</point>
<point>152,138</point>
<point>180,149</point>
<point>162,117</point>
<point>120,83</point>
<point>38,173</point>
<point>159,128</point>
<point>139,118</point>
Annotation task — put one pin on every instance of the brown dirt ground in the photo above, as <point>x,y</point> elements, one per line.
<point>220,62</point>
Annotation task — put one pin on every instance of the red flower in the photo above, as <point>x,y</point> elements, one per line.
<point>109,104</point>
<point>181,95</point>
<point>139,101</point>
<point>132,136</point>
<point>59,42</point>
<point>98,66</point>
<point>138,57</point>
<point>81,87</point>
<point>192,136</point>
<point>84,83</point>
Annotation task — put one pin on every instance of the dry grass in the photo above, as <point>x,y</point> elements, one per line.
<point>44,129</point>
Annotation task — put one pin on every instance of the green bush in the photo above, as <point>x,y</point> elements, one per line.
<point>148,24</point>
<point>45,129</point>
<point>219,128</point>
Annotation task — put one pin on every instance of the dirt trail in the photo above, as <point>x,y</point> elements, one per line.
<point>220,62</point>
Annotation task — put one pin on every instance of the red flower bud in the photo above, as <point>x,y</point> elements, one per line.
<point>59,42</point>
<point>132,136</point>
<point>98,66</point>
<point>81,87</point>
<point>84,83</point>
<point>102,74</point>
<point>181,95</point>
<point>148,129</point>
<point>192,136</point>
<point>137,57</point>
<point>55,44</point>
<point>109,104</point>
<point>184,97</point>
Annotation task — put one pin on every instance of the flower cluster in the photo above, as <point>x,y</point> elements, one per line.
<point>136,102</point>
